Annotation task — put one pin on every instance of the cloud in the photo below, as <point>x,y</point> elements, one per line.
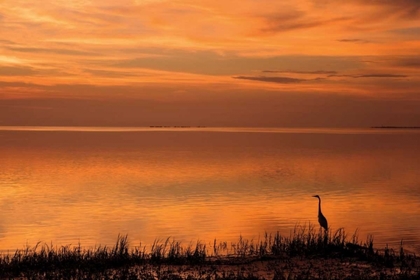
<point>409,9</point>
<point>318,72</point>
<point>297,20</point>
<point>7,42</point>
<point>330,74</point>
<point>118,43</point>
<point>51,50</point>
<point>279,80</point>
<point>200,62</point>
<point>408,62</point>
<point>110,73</point>
<point>16,71</point>
<point>213,63</point>
<point>381,76</point>
<point>372,76</point>
<point>360,41</point>
<point>410,32</point>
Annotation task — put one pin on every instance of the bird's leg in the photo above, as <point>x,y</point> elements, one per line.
<point>325,236</point>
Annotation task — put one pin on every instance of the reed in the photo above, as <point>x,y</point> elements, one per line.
<point>166,258</point>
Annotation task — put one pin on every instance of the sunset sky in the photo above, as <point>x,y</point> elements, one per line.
<point>304,63</point>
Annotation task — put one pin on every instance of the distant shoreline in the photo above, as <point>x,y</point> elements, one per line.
<point>177,126</point>
<point>396,127</point>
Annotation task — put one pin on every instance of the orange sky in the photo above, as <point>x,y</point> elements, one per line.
<point>215,63</point>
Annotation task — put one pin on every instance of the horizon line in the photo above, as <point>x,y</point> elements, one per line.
<point>184,128</point>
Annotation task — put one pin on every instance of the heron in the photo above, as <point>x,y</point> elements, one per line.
<point>321,218</point>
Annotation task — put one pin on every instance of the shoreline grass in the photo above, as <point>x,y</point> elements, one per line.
<point>304,254</point>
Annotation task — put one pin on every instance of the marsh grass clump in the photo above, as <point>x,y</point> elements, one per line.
<point>301,254</point>
<point>171,251</point>
<point>303,241</point>
<point>46,258</point>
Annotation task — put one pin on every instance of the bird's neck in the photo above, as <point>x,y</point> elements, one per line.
<point>319,206</point>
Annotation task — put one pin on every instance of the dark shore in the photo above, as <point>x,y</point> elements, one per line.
<point>304,254</point>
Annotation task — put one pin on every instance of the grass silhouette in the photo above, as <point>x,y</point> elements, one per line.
<point>304,254</point>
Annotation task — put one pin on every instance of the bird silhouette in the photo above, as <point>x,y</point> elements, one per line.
<point>321,218</point>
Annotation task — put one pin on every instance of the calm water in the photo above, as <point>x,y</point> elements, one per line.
<point>88,185</point>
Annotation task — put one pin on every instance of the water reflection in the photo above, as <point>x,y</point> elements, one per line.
<point>69,186</point>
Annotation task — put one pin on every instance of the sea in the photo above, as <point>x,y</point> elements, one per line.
<point>65,186</point>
